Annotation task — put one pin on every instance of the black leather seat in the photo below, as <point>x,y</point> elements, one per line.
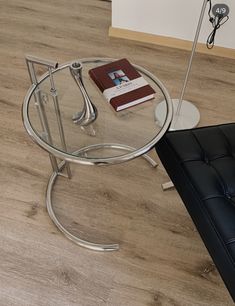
<point>201,164</point>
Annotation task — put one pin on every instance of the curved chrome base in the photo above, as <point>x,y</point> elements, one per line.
<point>81,242</point>
<point>115,146</point>
<point>188,117</point>
<point>51,182</point>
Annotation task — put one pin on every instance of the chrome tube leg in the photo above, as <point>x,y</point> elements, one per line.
<point>39,103</point>
<point>41,110</point>
<point>59,120</point>
<point>54,163</point>
<point>61,131</point>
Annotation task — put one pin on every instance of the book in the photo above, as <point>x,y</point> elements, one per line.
<point>121,84</point>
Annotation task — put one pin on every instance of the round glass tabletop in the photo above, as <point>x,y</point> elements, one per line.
<point>52,105</point>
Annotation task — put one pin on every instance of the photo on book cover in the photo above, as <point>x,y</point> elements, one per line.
<point>118,77</point>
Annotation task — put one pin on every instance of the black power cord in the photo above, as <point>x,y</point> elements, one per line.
<point>216,22</point>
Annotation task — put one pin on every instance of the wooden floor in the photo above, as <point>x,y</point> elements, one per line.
<point>162,260</point>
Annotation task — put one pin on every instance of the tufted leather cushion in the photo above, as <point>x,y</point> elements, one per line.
<point>201,164</point>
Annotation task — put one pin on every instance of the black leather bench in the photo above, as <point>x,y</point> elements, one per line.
<point>201,164</point>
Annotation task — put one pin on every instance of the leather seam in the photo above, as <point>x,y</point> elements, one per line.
<point>227,140</point>
<point>222,182</point>
<point>230,241</point>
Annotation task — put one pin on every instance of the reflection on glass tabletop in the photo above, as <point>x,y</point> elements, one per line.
<point>112,135</point>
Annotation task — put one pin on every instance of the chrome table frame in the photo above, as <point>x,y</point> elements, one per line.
<point>66,158</point>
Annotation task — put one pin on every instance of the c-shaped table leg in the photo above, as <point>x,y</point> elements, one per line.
<point>75,239</point>
<point>81,242</point>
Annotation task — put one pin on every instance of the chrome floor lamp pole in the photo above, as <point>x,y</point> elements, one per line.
<point>186,114</point>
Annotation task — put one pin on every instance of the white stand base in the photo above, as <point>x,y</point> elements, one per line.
<point>188,117</point>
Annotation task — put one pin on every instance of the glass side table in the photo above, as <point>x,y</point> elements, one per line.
<point>66,115</point>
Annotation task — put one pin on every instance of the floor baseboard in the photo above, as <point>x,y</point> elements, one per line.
<point>170,42</point>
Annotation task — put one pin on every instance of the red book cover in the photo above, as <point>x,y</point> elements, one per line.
<point>121,84</point>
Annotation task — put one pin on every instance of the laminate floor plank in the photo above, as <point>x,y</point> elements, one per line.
<point>162,260</point>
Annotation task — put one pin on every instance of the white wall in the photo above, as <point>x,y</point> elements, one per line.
<point>173,18</point>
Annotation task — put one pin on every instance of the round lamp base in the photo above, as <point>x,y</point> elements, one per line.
<point>188,117</point>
